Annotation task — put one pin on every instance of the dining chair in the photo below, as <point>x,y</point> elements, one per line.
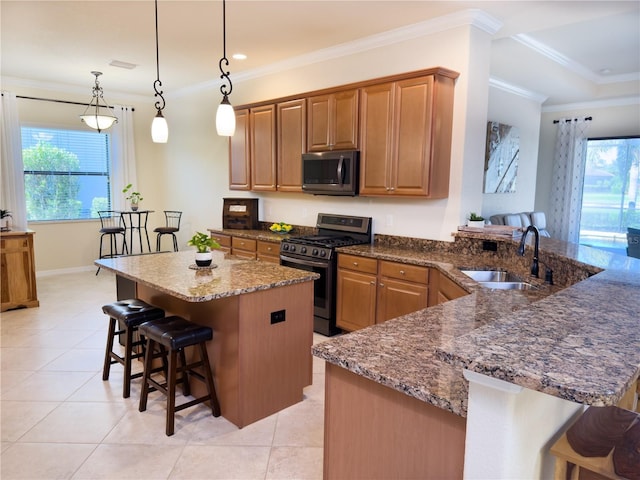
<point>112,224</point>
<point>172,225</point>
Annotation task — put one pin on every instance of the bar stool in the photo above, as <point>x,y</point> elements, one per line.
<point>175,334</point>
<point>124,318</point>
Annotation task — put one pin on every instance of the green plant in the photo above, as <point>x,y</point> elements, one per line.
<point>5,214</point>
<point>475,218</point>
<point>203,242</point>
<point>133,197</point>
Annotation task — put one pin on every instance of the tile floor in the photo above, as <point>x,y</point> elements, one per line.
<point>60,420</point>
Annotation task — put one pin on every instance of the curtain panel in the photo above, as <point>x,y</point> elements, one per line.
<point>11,167</point>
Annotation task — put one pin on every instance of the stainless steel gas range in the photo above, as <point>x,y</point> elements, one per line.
<point>316,253</point>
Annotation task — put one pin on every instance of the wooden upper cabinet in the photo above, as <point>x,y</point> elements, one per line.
<point>239,153</point>
<point>263,148</point>
<point>292,143</point>
<point>407,153</point>
<point>332,121</point>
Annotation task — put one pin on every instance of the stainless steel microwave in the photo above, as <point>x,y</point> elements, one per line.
<point>331,173</point>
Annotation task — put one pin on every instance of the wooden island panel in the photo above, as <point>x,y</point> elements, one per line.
<point>374,432</point>
<point>259,367</point>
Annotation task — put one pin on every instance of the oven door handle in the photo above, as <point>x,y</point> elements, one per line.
<point>309,263</point>
<point>340,170</point>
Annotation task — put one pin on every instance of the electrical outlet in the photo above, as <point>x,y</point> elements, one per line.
<point>277,317</point>
<point>389,220</point>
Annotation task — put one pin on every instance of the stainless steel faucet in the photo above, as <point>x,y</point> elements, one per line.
<point>548,277</point>
<point>534,264</point>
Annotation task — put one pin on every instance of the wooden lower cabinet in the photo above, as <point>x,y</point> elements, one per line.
<point>268,251</point>
<point>17,269</point>
<point>244,248</point>
<point>371,291</point>
<point>444,289</point>
<point>374,432</point>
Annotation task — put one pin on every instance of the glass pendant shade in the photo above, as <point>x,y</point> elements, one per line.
<point>98,122</point>
<point>225,119</point>
<point>159,129</point>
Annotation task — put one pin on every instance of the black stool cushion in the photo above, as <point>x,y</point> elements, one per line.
<point>165,229</point>
<point>132,312</point>
<point>175,332</point>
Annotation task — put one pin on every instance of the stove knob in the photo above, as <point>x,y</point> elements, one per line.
<point>293,248</point>
<point>314,251</point>
<point>303,250</point>
<point>285,246</point>
<point>323,253</point>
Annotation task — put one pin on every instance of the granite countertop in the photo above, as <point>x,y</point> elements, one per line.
<point>170,273</point>
<point>579,342</point>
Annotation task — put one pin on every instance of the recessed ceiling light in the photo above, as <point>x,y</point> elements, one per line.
<point>605,71</point>
<point>121,64</point>
<point>239,56</point>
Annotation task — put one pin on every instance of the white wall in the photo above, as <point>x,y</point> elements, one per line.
<point>463,49</point>
<point>524,114</point>
<point>190,173</point>
<point>610,119</point>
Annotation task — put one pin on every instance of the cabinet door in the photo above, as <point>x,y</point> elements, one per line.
<point>396,298</point>
<point>356,300</point>
<point>449,290</point>
<point>263,148</point>
<point>292,143</point>
<point>239,153</point>
<point>413,114</point>
<point>345,121</point>
<point>376,118</point>
<point>17,269</point>
<point>332,121</point>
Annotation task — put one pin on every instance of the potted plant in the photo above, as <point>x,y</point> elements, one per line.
<point>476,221</point>
<point>5,215</point>
<point>134,197</point>
<point>203,243</point>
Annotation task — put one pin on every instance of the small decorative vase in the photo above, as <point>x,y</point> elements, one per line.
<point>475,223</point>
<point>203,259</point>
<point>134,207</point>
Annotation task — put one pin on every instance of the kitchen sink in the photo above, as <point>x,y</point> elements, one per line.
<point>497,279</point>
<point>493,276</point>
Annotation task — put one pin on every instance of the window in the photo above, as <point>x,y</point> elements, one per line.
<point>610,192</point>
<point>66,173</point>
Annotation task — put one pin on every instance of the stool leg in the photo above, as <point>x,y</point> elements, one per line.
<point>211,389</point>
<point>158,243</point>
<point>171,392</point>
<point>128,348</point>
<point>148,357</point>
<point>175,243</point>
<point>107,354</point>
<point>186,388</point>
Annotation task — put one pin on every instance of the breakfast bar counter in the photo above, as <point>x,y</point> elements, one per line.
<point>261,315</point>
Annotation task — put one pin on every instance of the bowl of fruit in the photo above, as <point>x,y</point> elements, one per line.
<point>280,227</point>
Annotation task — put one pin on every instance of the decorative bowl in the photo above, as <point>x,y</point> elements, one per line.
<point>281,228</point>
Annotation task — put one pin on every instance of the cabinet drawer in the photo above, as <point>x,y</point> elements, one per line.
<point>410,273</point>
<point>358,264</point>
<point>268,248</point>
<point>223,240</point>
<point>243,244</point>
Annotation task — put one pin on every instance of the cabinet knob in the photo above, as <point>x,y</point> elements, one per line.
<point>401,272</point>
<point>269,249</point>
<point>382,285</point>
<point>355,264</point>
<point>373,282</point>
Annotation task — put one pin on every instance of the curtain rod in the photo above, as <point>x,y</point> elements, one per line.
<point>61,101</point>
<point>586,119</point>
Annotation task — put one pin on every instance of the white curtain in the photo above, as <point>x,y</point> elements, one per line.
<point>11,171</point>
<point>123,157</point>
<point>568,179</point>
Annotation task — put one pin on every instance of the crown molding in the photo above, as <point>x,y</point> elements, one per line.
<point>604,103</point>
<point>514,89</point>
<point>471,17</point>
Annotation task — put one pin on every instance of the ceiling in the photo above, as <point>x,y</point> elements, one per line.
<point>559,52</point>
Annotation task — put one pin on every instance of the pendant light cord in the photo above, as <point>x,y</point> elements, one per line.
<point>157,84</point>
<point>225,74</point>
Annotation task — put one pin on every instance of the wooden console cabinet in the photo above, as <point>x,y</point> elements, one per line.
<point>18,271</point>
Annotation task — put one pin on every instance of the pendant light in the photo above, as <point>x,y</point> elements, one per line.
<point>92,115</point>
<point>225,117</point>
<point>159,127</point>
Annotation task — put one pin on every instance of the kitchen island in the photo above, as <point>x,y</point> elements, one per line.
<point>261,315</point>
<point>480,386</point>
